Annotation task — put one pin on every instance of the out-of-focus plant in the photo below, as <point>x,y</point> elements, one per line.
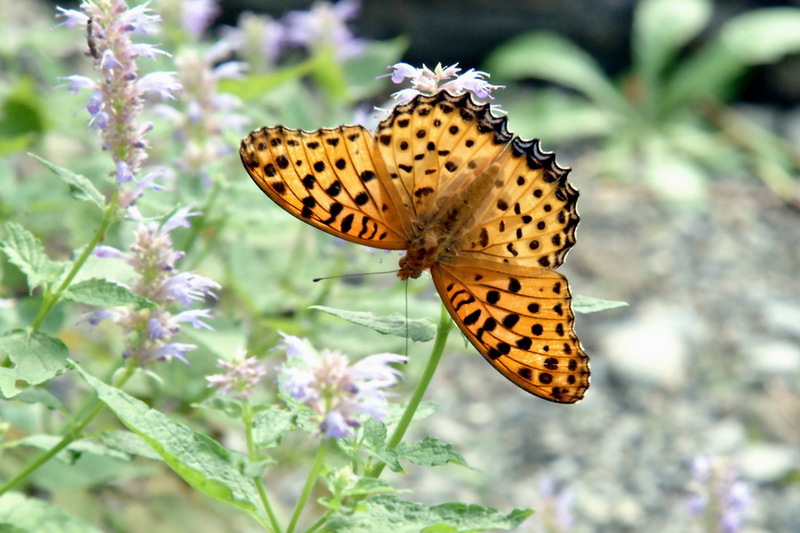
<point>92,397</point>
<point>718,500</point>
<point>666,122</point>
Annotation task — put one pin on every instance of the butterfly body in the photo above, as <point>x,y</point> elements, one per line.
<point>490,215</point>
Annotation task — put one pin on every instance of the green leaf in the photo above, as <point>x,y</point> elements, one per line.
<point>80,187</point>
<point>105,293</point>
<point>396,412</point>
<point>28,254</point>
<point>270,425</point>
<point>429,452</point>
<point>756,37</point>
<point>128,443</point>
<point>230,406</point>
<point>200,461</point>
<point>587,304</point>
<point>374,433</point>
<point>362,487</point>
<point>710,74</point>
<point>360,70</point>
<point>387,457</point>
<point>255,86</point>
<point>660,29</point>
<point>36,359</point>
<point>763,35</point>
<point>33,515</point>
<point>417,329</point>
<point>24,116</point>
<point>388,513</point>
<point>40,395</point>
<point>73,450</point>
<point>558,117</point>
<point>552,58</point>
<point>328,73</point>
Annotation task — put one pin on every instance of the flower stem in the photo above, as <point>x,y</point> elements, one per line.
<point>247,418</point>
<point>200,223</point>
<point>71,434</point>
<point>52,299</point>
<point>312,479</point>
<point>319,523</point>
<point>442,331</point>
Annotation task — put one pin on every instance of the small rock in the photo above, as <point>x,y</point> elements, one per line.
<point>766,462</point>
<point>650,348</point>
<point>775,357</point>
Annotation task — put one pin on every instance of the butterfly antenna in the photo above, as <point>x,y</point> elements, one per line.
<point>354,275</point>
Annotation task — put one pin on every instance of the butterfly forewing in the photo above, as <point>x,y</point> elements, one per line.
<point>520,320</point>
<point>435,145</point>
<point>490,214</point>
<point>329,178</point>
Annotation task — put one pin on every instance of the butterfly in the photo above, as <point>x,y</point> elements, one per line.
<point>491,215</point>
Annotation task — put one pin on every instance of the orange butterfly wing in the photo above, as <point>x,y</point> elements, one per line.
<point>520,320</point>
<point>493,214</point>
<point>332,179</point>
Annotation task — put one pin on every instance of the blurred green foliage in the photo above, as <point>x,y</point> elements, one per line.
<point>666,122</point>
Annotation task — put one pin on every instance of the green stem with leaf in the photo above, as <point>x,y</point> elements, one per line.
<point>316,468</point>
<point>442,331</point>
<point>71,432</point>
<point>51,299</point>
<point>247,418</point>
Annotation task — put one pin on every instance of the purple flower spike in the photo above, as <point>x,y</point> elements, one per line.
<point>340,394</point>
<point>119,95</point>
<point>717,496</point>
<point>325,25</point>
<point>151,331</point>
<point>242,376</point>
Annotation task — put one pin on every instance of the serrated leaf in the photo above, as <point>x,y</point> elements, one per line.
<point>396,411</point>
<point>256,469</point>
<point>270,425</point>
<point>105,293</point>
<point>231,407</point>
<point>388,513</point>
<point>18,513</point>
<point>429,452</point>
<point>25,251</point>
<point>364,486</point>
<point>8,383</point>
<point>36,359</point>
<point>587,304</point>
<point>129,443</point>
<point>417,329</point>
<point>79,186</point>
<point>387,457</point>
<point>40,395</point>
<point>374,433</point>
<point>199,460</point>
<point>73,450</point>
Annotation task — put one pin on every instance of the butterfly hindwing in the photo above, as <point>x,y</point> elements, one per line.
<point>328,178</point>
<point>529,218</point>
<point>490,214</point>
<point>521,321</point>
